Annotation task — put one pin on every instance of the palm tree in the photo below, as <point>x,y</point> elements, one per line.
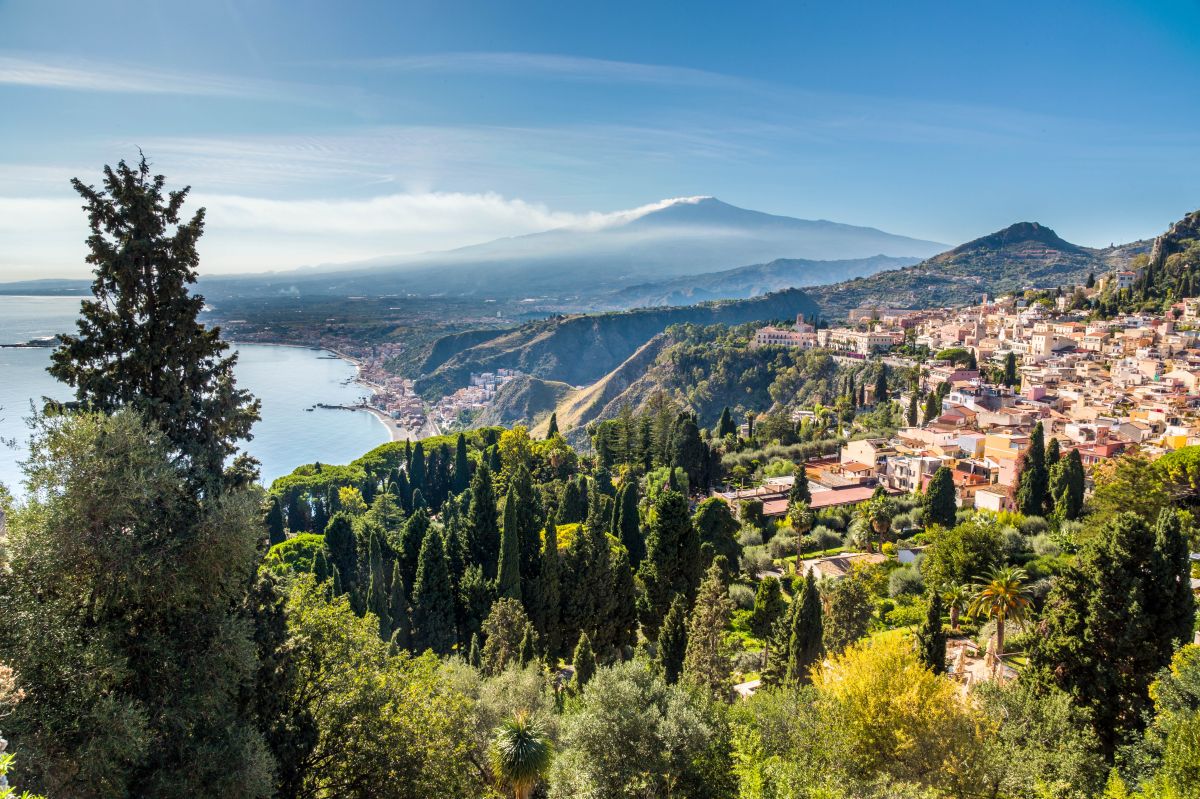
<point>520,754</point>
<point>802,519</point>
<point>877,512</point>
<point>957,597</point>
<point>1002,596</point>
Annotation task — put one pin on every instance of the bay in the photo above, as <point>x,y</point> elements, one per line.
<point>287,380</point>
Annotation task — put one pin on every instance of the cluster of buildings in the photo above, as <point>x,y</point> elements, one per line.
<point>477,395</point>
<point>1102,387</point>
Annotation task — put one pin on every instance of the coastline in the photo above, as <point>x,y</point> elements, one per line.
<point>396,432</point>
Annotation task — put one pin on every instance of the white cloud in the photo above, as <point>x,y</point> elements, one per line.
<point>55,72</point>
<point>43,237</point>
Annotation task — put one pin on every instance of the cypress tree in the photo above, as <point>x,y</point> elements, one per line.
<point>508,571</point>
<point>297,513</point>
<point>688,452</point>
<point>1032,478</point>
<point>800,492</point>
<point>673,559</point>
<point>768,608</point>
<point>473,655</point>
<point>412,538</point>
<point>274,522</point>
<point>378,588</point>
<point>706,663</point>
<point>618,627</point>
<point>804,642</point>
<point>881,381</point>
<point>931,637</point>
<point>552,428</point>
<point>342,547</point>
<point>1170,592</point>
<point>320,567</point>
<point>726,425</point>
<point>462,466</point>
<point>913,408</point>
<point>1010,377</point>
<point>139,343</point>
<point>416,471</point>
<point>1053,453</point>
<point>1067,486</point>
<point>433,599</point>
<point>628,523</point>
<point>527,647</point>
<point>583,662</point>
<point>546,606</point>
<point>672,640</point>
<point>418,500</point>
<point>483,524</point>
<point>399,612</point>
<point>402,490</point>
<point>939,502</point>
<point>571,506</point>
<point>933,407</point>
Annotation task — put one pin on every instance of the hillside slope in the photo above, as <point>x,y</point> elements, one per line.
<point>581,349</point>
<point>1024,255</point>
<point>523,400</point>
<point>751,281</point>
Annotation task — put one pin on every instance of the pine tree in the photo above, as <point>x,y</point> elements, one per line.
<point>931,637</point>
<point>139,344</point>
<point>342,547</point>
<point>483,524</point>
<point>584,663</point>
<point>939,501</point>
<point>433,599</point>
<point>416,470</point>
<point>804,645</point>
<point>1032,479</point>
<point>881,382</point>
<point>552,428</point>
<point>706,663</point>
<point>462,466</point>
<point>726,426</point>
<point>628,523</point>
<point>800,492</point>
<point>274,522</point>
<point>673,640</point>
<point>1111,623</point>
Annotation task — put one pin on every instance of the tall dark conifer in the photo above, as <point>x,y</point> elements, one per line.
<point>931,636</point>
<point>433,599</point>
<point>139,344</point>
<point>274,521</point>
<point>627,525</point>
<point>672,640</point>
<point>462,465</point>
<point>483,523</point>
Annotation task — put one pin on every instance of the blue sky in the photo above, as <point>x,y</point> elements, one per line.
<point>325,132</point>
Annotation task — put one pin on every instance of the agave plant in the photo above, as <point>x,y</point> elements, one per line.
<point>520,755</point>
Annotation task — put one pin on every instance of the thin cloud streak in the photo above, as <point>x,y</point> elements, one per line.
<point>556,66</point>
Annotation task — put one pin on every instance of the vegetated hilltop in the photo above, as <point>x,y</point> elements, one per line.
<point>1024,255</point>
<point>751,281</point>
<point>581,349</point>
<point>703,369</point>
<point>523,400</point>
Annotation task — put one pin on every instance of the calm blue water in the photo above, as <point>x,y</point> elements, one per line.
<point>286,379</point>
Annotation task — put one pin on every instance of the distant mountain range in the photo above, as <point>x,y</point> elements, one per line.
<point>1024,255</point>
<point>681,238</point>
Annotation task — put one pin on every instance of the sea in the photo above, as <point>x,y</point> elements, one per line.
<point>287,380</point>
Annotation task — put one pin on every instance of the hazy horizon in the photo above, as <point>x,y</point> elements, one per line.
<point>324,136</point>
